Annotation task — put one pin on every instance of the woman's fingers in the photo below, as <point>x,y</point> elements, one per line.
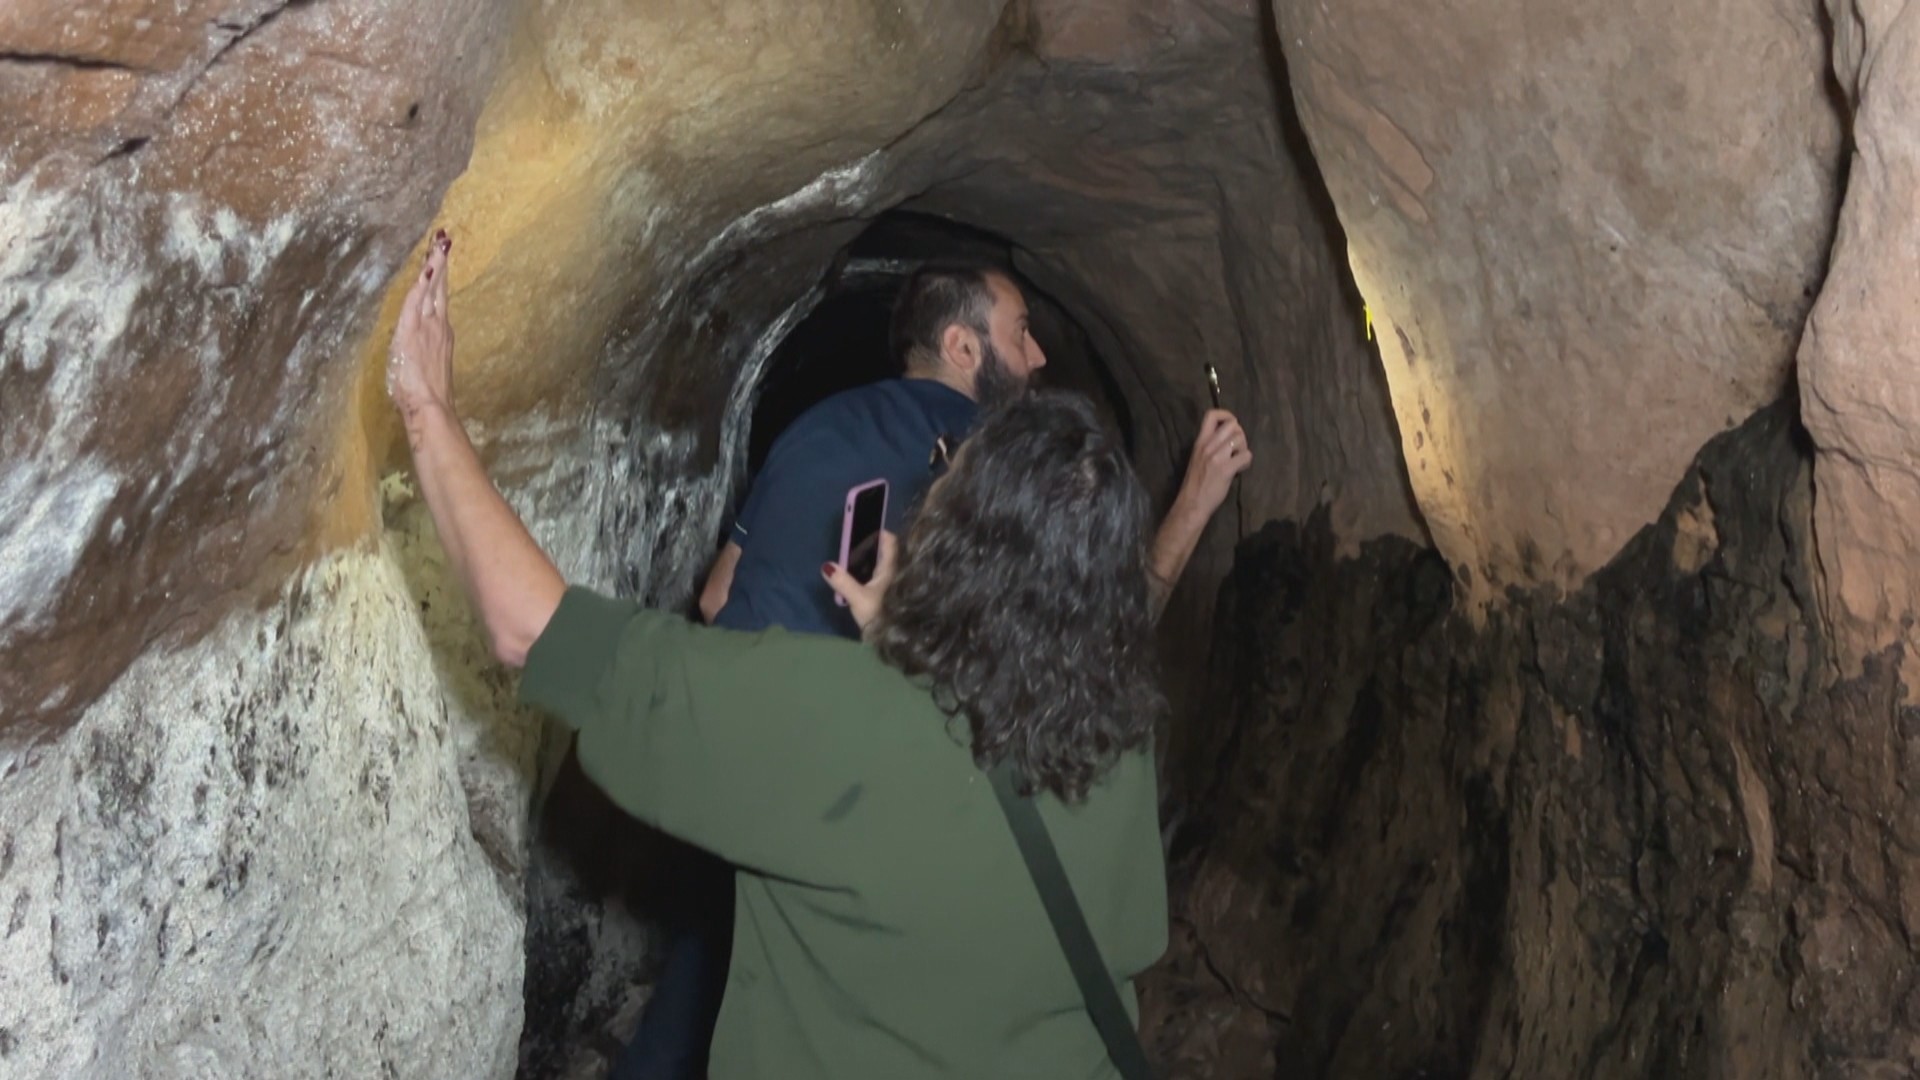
<point>422,338</point>
<point>1229,439</point>
<point>863,600</point>
<point>437,258</point>
<point>855,594</point>
<point>1218,430</point>
<point>883,568</point>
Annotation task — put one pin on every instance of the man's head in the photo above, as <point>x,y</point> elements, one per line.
<point>966,324</point>
<point>1020,592</point>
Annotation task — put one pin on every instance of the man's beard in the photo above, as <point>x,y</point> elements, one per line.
<point>995,384</point>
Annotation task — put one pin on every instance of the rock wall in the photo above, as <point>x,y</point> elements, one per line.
<point>198,211</point>
<point>1857,382</point>
<point>259,856</point>
<point>1588,236</point>
<point>1627,834</point>
<point>237,836</point>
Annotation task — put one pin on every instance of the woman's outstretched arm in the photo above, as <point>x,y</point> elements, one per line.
<point>511,582</point>
<point>1220,453</point>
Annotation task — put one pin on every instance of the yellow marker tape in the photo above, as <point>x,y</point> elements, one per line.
<point>1368,312</point>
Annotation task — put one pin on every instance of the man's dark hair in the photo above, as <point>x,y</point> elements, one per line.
<point>1021,595</point>
<point>934,297</point>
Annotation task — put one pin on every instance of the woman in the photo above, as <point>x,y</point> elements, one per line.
<point>886,923</point>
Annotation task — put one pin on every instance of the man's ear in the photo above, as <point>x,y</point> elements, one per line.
<point>960,347</point>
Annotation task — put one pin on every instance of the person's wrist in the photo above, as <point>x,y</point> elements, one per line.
<point>1190,509</point>
<point>425,419</point>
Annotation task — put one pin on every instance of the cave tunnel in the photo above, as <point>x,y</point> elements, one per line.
<point>1539,697</point>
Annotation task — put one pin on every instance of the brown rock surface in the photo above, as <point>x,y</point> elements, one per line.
<point>1623,834</point>
<point>199,204</point>
<point>1858,383</point>
<point>1588,235</point>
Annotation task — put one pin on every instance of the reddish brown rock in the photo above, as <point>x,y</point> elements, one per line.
<point>199,205</point>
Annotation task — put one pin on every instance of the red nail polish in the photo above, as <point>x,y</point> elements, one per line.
<point>826,569</point>
<point>429,273</point>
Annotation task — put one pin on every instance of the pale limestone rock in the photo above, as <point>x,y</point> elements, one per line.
<point>256,857</point>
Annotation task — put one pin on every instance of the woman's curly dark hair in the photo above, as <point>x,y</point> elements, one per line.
<point>1021,594</point>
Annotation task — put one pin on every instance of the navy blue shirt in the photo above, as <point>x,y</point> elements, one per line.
<point>791,521</point>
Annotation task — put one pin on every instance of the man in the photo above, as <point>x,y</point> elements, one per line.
<point>962,333</point>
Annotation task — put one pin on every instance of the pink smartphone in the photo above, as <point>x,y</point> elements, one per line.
<point>860,526</point>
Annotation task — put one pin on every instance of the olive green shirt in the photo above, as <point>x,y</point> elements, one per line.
<point>886,926</point>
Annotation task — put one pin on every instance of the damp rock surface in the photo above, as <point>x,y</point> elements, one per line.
<point>1629,834</point>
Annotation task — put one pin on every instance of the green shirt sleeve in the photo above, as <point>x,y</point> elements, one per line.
<point>733,741</point>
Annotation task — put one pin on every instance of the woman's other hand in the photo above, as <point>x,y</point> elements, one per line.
<point>864,600</point>
<point>1220,453</point>
<point>420,359</point>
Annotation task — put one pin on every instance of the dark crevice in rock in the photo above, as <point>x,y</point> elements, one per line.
<point>80,63</point>
<point>591,865</point>
<point>241,29</point>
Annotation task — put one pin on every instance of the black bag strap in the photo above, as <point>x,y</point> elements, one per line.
<point>1070,925</point>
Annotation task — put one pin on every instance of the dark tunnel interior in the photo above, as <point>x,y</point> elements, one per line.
<point>842,343</point>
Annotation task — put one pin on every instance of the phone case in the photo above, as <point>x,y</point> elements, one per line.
<point>846,522</point>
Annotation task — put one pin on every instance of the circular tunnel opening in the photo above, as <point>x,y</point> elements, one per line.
<point>593,856</point>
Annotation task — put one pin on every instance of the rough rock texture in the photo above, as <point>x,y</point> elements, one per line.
<point>1857,378</point>
<point>1630,834</point>
<point>1588,234</point>
<point>1162,128</point>
<point>239,836</point>
<point>197,205</point>
<point>255,858</point>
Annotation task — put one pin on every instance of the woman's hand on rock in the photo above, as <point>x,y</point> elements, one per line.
<point>420,359</point>
<point>864,600</point>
